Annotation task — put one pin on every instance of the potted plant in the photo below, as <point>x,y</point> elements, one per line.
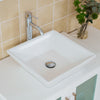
<point>88,10</point>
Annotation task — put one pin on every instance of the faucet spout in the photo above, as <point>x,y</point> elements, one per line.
<point>37,27</point>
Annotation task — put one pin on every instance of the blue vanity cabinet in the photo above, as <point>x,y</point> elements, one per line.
<point>86,91</point>
<point>59,98</point>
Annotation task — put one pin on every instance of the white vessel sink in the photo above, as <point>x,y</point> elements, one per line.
<point>66,54</point>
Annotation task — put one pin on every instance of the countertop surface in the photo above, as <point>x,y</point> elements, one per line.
<point>17,84</point>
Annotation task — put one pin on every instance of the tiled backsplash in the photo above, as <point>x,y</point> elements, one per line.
<point>52,14</point>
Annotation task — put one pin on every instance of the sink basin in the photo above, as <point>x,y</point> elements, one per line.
<point>51,58</point>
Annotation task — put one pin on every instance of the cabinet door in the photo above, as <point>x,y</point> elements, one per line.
<point>86,90</point>
<point>59,98</point>
<point>97,92</point>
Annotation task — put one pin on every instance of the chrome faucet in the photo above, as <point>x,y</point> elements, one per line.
<point>30,25</point>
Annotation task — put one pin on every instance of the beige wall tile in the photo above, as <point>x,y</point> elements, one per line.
<point>96,23</point>
<point>57,0</point>
<point>10,44</point>
<point>45,15</point>
<point>8,9</point>
<point>27,5</point>
<point>72,22</point>
<point>0,52</point>
<point>71,7</point>
<point>98,0</point>
<point>0,37</point>
<point>10,29</point>
<point>47,28</point>
<point>61,9</point>
<point>60,25</point>
<point>42,3</point>
<point>36,32</point>
<point>23,38</point>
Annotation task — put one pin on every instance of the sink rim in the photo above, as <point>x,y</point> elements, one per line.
<point>39,77</point>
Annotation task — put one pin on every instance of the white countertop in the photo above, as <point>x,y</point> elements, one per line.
<point>17,84</point>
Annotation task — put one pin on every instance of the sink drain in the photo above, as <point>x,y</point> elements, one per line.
<point>50,64</point>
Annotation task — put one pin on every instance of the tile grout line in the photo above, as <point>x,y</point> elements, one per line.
<point>58,1</point>
<point>9,19</point>
<point>54,21</point>
<point>54,2</point>
<point>53,14</point>
<point>60,18</point>
<point>42,26</point>
<point>1,41</point>
<point>19,19</point>
<point>67,21</point>
<point>19,11</point>
<point>37,12</point>
<point>33,10</point>
<point>33,29</point>
<point>72,13</point>
<point>11,39</point>
<point>44,6</point>
<point>46,24</point>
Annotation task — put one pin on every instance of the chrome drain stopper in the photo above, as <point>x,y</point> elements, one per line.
<point>50,64</point>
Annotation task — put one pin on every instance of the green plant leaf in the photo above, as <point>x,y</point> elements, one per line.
<point>78,9</point>
<point>83,14</point>
<point>81,20</point>
<point>88,10</point>
<point>76,3</point>
<point>94,16</point>
<point>78,16</point>
<point>84,6</point>
<point>87,15</point>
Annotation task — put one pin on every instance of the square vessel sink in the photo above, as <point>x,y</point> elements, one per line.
<point>51,58</point>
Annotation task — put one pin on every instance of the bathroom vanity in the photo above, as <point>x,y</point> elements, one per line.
<point>17,84</point>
